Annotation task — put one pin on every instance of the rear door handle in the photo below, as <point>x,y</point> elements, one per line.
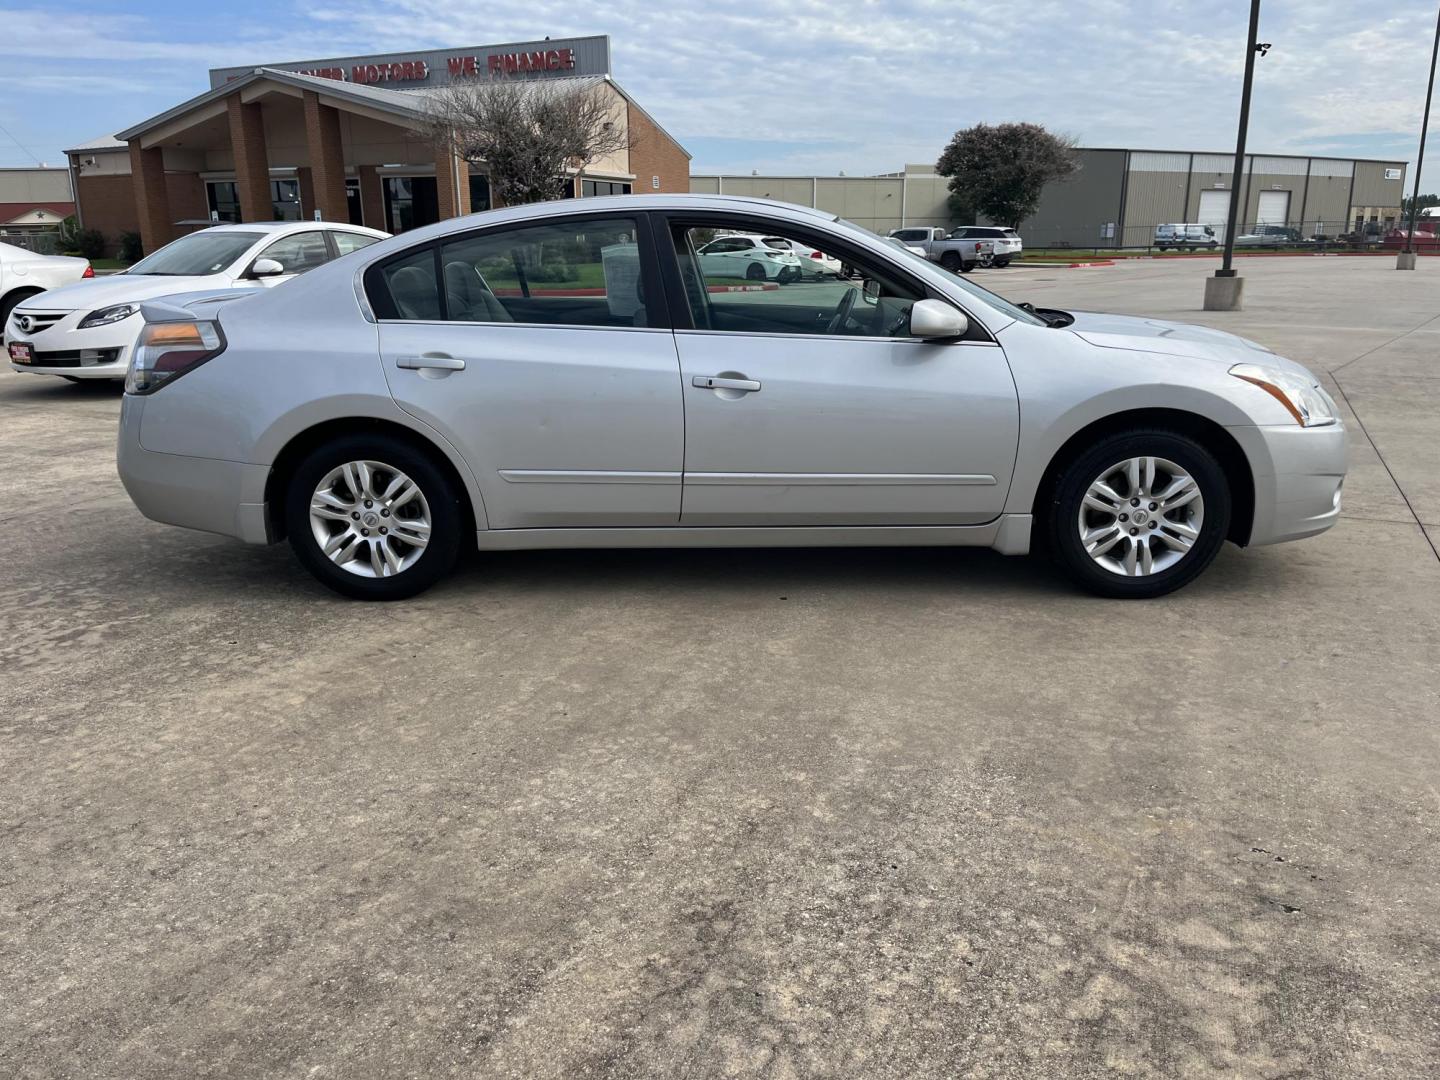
<point>716,382</point>
<point>440,363</point>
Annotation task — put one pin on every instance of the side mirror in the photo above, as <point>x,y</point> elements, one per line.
<point>872,291</point>
<point>266,268</point>
<point>934,320</point>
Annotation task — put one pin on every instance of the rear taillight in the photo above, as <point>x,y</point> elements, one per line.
<point>167,350</point>
<point>89,271</point>
<point>816,255</point>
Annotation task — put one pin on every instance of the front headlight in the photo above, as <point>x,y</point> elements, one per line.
<point>107,315</point>
<point>1302,397</point>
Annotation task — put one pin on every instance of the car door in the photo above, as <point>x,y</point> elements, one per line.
<point>535,349</point>
<point>812,405</point>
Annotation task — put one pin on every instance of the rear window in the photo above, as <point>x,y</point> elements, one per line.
<point>779,243</point>
<point>571,272</point>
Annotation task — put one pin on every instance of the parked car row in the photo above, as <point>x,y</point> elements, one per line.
<point>965,248</point>
<point>87,329</point>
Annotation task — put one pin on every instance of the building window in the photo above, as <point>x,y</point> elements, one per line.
<point>479,192</point>
<point>285,200</point>
<point>354,208</point>
<point>410,201</point>
<point>603,187</point>
<point>224,200</point>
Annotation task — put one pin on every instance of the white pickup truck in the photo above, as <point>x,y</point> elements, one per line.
<point>960,255</point>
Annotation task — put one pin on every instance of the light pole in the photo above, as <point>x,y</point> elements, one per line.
<point>1224,290</point>
<point>1406,259</point>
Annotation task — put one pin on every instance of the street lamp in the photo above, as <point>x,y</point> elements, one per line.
<point>1223,291</point>
<point>1406,259</point>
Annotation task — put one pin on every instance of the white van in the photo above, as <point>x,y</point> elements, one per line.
<point>1185,236</point>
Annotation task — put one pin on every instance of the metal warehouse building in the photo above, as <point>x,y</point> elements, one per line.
<point>1118,196</point>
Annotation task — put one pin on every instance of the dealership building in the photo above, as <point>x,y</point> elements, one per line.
<point>335,139</point>
<point>1117,197</point>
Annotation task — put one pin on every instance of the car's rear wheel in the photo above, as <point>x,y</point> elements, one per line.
<point>373,517</point>
<point>1001,262</point>
<point>1139,514</point>
<point>755,272</point>
<point>951,261</point>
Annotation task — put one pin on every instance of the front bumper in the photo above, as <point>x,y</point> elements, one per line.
<point>226,497</point>
<point>101,352</point>
<point>1298,473</point>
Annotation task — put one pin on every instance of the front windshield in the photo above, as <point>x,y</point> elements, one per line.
<point>979,292</point>
<point>197,254</point>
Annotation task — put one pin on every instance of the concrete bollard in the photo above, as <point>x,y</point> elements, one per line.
<point>1224,293</point>
<point>1405,260</point>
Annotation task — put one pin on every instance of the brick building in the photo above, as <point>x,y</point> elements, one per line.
<point>335,140</point>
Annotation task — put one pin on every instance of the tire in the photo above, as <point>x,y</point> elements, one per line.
<point>789,275</point>
<point>755,272</point>
<point>1112,571</point>
<point>951,261</point>
<point>7,304</point>
<point>965,267</point>
<point>415,567</point>
<point>1001,263</point>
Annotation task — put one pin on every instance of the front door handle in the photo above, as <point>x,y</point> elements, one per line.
<point>439,363</point>
<point>719,382</point>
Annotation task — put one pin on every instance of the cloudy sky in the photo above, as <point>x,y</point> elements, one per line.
<point>790,85</point>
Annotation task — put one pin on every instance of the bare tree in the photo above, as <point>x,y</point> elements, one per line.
<point>526,132</point>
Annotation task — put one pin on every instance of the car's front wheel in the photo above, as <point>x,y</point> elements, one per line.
<point>1139,514</point>
<point>373,518</point>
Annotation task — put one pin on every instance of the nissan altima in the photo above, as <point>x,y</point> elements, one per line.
<point>573,374</point>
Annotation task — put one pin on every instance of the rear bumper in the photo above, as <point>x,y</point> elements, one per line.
<point>1299,473</point>
<point>226,497</point>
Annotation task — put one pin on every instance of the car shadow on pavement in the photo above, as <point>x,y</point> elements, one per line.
<point>52,388</point>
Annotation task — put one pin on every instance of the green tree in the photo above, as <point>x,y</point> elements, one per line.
<point>1001,169</point>
<point>1424,201</point>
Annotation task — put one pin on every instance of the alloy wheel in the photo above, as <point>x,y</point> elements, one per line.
<point>370,519</point>
<point>1141,516</point>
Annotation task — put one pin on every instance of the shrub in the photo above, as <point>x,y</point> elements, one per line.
<point>91,243</point>
<point>131,250</point>
<point>555,271</point>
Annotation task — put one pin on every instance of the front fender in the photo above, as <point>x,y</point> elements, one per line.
<point>1066,384</point>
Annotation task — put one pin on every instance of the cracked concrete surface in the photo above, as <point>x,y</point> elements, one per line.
<point>766,814</point>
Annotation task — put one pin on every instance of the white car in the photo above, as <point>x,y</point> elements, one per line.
<point>87,330</point>
<point>1008,244</point>
<point>815,264</point>
<point>24,274</point>
<point>750,257</point>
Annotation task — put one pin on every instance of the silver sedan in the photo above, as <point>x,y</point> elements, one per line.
<point>572,374</point>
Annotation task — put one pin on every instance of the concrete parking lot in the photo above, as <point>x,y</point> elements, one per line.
<point>748,813</point>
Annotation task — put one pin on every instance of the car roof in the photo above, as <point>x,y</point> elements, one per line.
<point>271,227</point>
<point>605,204</point>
